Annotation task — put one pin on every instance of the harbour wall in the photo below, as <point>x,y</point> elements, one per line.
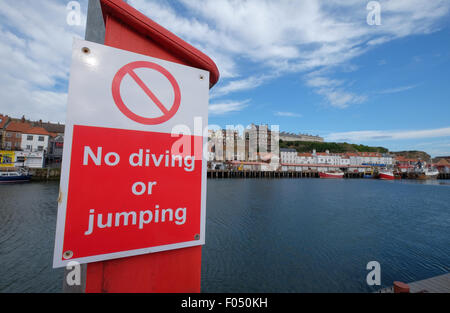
<point>43,174</point>
<point>293,174</point>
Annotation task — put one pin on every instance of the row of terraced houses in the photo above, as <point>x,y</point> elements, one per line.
<point>290,159</point>
<point>33,144</point>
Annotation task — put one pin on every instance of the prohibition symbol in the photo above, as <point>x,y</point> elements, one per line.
<point>129,69</point>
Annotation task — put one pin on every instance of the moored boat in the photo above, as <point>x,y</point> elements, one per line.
<point>14,177</point>
<point>428,174</point>
<point>386,175</point>
<point>331,174</point>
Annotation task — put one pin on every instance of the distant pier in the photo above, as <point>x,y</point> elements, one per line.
<point>271,174</point>
<point>291,174</point>
<point>438,284</point>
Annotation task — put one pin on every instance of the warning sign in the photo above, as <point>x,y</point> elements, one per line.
<point>129,70</point>
<point>131,182</point>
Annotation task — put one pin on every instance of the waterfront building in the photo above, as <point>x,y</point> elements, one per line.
<point>288,156</point>
<point>11,159</point>
<point>12,135</point>
<point>299,137</point>
<point>305,158</point>
<point>406,165</point>
<point>31,159</point>
<point>327,158</point>
<point>261,138</point>
<point>55,150</point>
<point>442,165</point>
<point>35,139</point>
<point>353,162</point>
<point>3,121</point>
<point>344,160</point>
<point>239,144</point>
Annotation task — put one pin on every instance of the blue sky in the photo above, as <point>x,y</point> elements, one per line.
<point>309,66</point>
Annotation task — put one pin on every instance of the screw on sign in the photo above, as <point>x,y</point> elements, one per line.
<point>130,70</point>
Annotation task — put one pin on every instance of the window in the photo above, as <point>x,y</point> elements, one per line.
<point>40,148</point>
<point>8,134</point>
<point>18,135</point>
<point>30,137</point>
<point>41,138</point>
<point>29,147</point>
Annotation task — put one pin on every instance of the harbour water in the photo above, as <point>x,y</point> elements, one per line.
<point>267,235</point>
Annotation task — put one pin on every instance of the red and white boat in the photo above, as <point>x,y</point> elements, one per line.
<point>386,175</point>
<point>331,174</point>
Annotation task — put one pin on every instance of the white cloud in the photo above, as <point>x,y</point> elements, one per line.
<point>339,98</point>
<point>375,135</point>
<point>239,85</point>
<point>287,114</point>
<point>333,90</point>
<point>227,107</point>
<point>397,89</point>
<point>269,37</point>
<point>35,54</point>
<point>291,36</point>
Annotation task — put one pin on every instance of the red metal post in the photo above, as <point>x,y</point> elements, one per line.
<point>170,271</point>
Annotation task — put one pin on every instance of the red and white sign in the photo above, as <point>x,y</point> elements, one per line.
<point>130,183</point>
<point>129,69</point>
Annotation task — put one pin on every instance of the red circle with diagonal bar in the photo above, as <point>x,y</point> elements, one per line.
<point>129,69</point>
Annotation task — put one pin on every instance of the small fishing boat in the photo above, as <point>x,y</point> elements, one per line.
<point>386,175</point>
<point>19,176</point>
<point>331,174</point>
<point>428,173</point>
<point>368,174</point>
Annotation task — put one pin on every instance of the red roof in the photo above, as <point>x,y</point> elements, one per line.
<point>38,131</point>
<point>20,127</point>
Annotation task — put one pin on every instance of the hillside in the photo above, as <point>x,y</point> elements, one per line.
<point>413,155</point>
<point>333,147</point>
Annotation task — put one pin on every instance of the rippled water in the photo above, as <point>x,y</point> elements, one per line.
<point>27,231</point>
<point>274,235</point>
<point>313,235</point>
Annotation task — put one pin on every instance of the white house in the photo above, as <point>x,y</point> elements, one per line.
<point>288,156</point>
<point>328,159</point>
<point>35,139</point>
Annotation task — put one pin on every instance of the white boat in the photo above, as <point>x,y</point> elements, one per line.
<point>14,176</point>
<point>428,173</point>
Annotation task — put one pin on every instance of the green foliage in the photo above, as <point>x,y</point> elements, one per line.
<point>333,147</point>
